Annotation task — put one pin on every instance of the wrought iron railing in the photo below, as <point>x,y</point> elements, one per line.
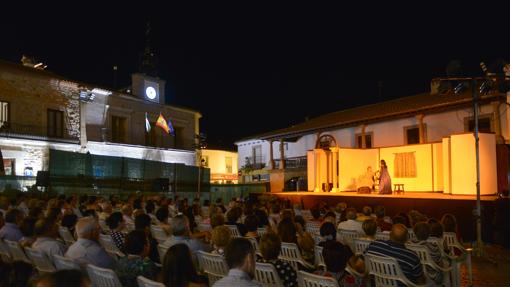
<point>292,162</point>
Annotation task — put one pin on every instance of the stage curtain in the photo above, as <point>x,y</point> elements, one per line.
<point>405,164</point>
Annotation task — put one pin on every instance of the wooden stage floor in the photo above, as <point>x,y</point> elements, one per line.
<point>408,195</point>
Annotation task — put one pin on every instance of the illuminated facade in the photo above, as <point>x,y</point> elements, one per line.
<point>42,111</point>
<point>223,165</point>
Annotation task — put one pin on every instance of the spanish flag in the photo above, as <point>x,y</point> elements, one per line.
<point>161,122</point>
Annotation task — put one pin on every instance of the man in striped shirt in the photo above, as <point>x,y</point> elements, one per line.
<point>408,261</point>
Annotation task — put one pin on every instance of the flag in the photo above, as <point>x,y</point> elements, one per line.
<point>147,124</point>
<point>161,122</point>
<point>171,128</point>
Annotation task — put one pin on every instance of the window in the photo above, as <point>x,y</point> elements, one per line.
<point>4,113</point>
<point>55,123</point>
<point>484,124</point>
<point>405,164</point>
<point>257,154</point>
<point>119,129</point>
<point>412,134</point>
<point>228,164</point>
<point>9,166</point>
<point>151,137</point>
<point>179,137</point>
<point>368,140</point>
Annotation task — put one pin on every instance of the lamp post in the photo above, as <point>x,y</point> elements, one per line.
<point>200,143</point>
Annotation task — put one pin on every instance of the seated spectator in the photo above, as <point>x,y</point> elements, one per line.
<point>136,261</point>
<point>261,217</point>
<point>287,213</point>
<point>369,228</point>
<point>340,210</point>
<point>36,212</point>
<point>336,260</point>
<point>240,258</point>
<point>327,232</point>
<point>422,231</point>
<point>116,224</point>
<point>106,210</point>
<point>16,274</point>
<point>366,213</point>
<point>27,228</point>
<point>287,231</point>
<point>351,223</point>
<point>162,215</point>
<point>436,234</point>
<point>316,215</point>
<point>251,222</point>
<point>46,231</point>
<point>217,220</point>
<point>178,269</point>
<point>330,216</point>
<point>221,236</point>
<point>86,250</point>
<point>181,233</point>
<point>63,278</point>
<point>127,214</point>
<point>143,223</point>
<point>149,210</point>
<point>233,216</point>
<point>10,230</point>
<point>270,246</point>
<point>408,261</point>
<point>69,221</point>
<point>274,217</point>
<point>450,225</point>
<point>402,218</point>
<point>384,223</point>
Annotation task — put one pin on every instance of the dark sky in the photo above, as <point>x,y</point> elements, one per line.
<point>253,69</point>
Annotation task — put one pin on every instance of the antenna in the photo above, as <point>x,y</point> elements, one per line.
<point>114,76</point>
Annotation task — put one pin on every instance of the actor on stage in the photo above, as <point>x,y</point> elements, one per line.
<point>384,179</point>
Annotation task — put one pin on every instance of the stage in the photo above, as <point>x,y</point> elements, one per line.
<point>433,204</point>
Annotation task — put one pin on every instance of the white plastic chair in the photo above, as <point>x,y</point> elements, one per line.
<point>213,265</point>
<point>102,277</point>
<point>410,235</point>
<point>107,242</point>
<point>5,255</point>
<point>347,237</point>
<point>313,228</point>
<point>261,231</point>
<point>317,239</point>
<point>426,260</point>
<point>66,235</point>
<point>162,249</point>
<point>307,215</point>
<point>158,233</point>
<point>266,274</point>
<point>16,251</point>
<point>385,235</point>
<point>306,279</point>
<point>290,253</point>
<point>453,244</point>
<point>319,259</point>
<point>104,226</point>
<point>386,271</point>
<point>204,227</point>
<point>254,244</point>
<point>145,282</point>
<point>65,263</point>
<point>40,260</point>
<point>234,231</point>
<point>360,245</point>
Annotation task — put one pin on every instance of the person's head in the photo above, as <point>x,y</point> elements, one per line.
<point>436,229</point>
<point>328,231</point>
<point>88,228</point>
<point>380,211</point>
<point>401,219</point>
<point>162,214</point>
<point>449,223</point>
<point>316,213</point>
<point>46,227</point>
<point>299,219</point>
<point>149,207</point>
<point>261,217</point>
<point>239,254</point>
<point>234,214</point>
<point>221,236</point>
<point>251,222</point>
<point>341,206</point>
<point>14,216</point>
<point>335,256</point>
<point>63,278</point>
<point>287,213</point>
<point>106,207</point>
<point>27,226</point>
<point>217,220</point>
<point>421,230</point>
<point>351,213</point>
<point>180,226</point>
<point>369,227</point>
<point>287,231</point>
<point>127,209</point>
<point>367,210</point>
<point>275,208</point>
<point>69,221</point>
<point>143,222</point>
<point>137,243</point>
<point>115,221</point>
<point>178,269</point>
<point>270,245</point>
<point>398,233</point>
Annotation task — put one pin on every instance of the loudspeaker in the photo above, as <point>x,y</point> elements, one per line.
<point>160,184</point>
<point>42,178</point>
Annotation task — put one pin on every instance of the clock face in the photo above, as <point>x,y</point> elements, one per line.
<point>150,92</point>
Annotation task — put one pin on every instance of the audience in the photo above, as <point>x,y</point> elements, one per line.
<point>178,268</point>
<point>270,245</point>
<point>162,215</point>
<point>10,230</point>
<point>220,238</point>
<point>116,224</point>
<point>46,231</point>
<point>240,258</point>
<point>422,231</point>
<point>251,222</point>
<point>351,223</point>
<point>143,223</point>
<point>27,229</point>
<point>16,274</point>
<point>383,221</point>
<point>336,260</point>
<point>63,278</point>
<point>369,228</point>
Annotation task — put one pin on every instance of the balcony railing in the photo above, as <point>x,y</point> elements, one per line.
<point>257,162</point>
<point>292,162</point>
<point>16,130</point>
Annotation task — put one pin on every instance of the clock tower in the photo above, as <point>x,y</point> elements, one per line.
<point>148,88</point>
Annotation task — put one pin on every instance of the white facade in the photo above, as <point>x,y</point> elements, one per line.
<point>222,164</point>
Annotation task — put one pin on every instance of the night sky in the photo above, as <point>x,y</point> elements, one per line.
<point>253,69</point>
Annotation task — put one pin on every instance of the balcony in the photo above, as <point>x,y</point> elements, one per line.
<point>255,162</point>
<point>292,162</point>
<point>22,131</point>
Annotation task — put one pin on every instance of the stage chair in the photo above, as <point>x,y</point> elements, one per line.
<point>64,263</point>
<point>234,231</point>
<point>266,274</point>
<point>39,259</point>
<point>145,282</point>
<point>102,277</point>
<point>386,271</point>
<point>426,260</point>
<point>319,259</point>
<point>382,235</point>
<point>16,251</point>
<point>290,253</point>
<point>360,245</point>
<point>66,235</point>
<point>213,265</point>
<point>306,279</point>
<point>158,233</point>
